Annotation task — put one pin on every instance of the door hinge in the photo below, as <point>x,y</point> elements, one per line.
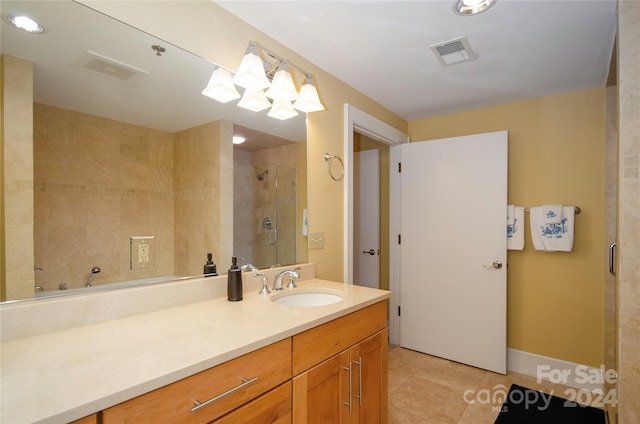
<point>399,166</point>
<point>399,238</point>
<point>398,310</point>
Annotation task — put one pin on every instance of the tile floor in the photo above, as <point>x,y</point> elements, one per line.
<point>425,389</point>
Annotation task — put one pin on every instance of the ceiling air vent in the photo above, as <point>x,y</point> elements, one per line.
<point>108,68</point>
<point>453,51</point>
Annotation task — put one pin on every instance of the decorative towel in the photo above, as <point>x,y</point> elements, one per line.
<point>552,214</point>
<point>515,227</point>
<point>511,214</point>
<point>552,237</point>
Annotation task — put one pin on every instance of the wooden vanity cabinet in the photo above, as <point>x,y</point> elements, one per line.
<point>232,382</point>
<point>332,373</point>
<point>351,385</point>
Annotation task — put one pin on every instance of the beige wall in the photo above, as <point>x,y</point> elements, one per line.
<point>17,170</point>
<point>628,216</point>
<point>556,155</point>
<point>98,183</point>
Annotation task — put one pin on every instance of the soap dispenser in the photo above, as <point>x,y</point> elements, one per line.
<point>234,281</point>
<point>210,269</point>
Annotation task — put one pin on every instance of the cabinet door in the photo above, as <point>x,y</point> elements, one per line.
<point>369,380</point>
<point>321,394</point>
<point>273,407</point>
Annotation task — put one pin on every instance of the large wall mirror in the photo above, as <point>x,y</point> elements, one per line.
<point>118,171</point>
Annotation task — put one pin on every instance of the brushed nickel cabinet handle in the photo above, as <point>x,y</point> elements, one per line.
<point>350,390</point>
<point>359,395</point>
<point>244,384</point>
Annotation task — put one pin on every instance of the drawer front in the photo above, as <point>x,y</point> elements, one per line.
<point>218,390</point>
<point>317,344</point>
<point>273,407</point>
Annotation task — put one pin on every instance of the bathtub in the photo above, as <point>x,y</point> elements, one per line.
<point>108,286</point>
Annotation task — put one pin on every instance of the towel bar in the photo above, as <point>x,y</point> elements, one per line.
<point>576,208</point>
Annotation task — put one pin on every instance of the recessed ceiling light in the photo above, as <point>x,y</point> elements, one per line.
<point>238,139</point>
<point>472,7</point>
<point>25,23</point>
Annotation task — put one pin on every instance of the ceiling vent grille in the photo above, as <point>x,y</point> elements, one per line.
<point>453,51</point>
<point>108,68</point>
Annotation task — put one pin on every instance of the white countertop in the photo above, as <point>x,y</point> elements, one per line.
<point>69,374</point>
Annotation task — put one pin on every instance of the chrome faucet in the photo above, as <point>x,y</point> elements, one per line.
<point>248,267</point>
<point>277,284</point>
<point>95,270</point>
<point>265,281</point>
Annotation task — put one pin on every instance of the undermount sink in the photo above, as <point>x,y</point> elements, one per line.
<point>306,298</point>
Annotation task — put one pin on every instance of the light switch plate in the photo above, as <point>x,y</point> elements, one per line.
<point>141,252</point>
<point>315,241</point>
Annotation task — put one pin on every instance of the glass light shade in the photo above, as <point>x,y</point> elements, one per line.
<point>237,139</point>
<point>221,87</point>
<point>282,86</point>
<point>251,73</point>
<point>25,23</point>
<point>282,109</point>
<point>254,100</point>
<point>472,7</point>
<point>308,99</point>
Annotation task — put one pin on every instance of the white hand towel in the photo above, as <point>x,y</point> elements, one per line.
<point>510,214</point>
<point>535,222</point>
<point>553,237</point>
<point>515,231</point>
<point>552,214</point>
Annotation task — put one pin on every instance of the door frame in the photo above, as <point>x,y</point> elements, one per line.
<point>360,121</point>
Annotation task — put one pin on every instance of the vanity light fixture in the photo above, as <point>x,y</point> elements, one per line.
<point>472,7</point>
<point>282,86</point>
<point>262,69</point>
<point>25,23</point>
<point>221,87</point>
<point>254,100</point>
<point>251,73</point>
<point>282,109</point>
<point>308,100</point>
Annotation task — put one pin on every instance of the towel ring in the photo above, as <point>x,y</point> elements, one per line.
<point>327,158</point>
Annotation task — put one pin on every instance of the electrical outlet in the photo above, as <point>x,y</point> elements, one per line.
<point>141,252</point>
<point>315,241</point>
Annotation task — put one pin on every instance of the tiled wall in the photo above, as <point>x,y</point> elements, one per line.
<point>99,182</point>
<point>628,211</point>
<point>17,83</point>
<point>204,197</point>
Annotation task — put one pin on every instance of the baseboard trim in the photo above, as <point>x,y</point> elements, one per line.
<point>555,370</point>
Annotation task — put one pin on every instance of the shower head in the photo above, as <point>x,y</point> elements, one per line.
<point>262,175</point>
<point>95,270</point>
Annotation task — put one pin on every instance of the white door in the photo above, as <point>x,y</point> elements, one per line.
<point>366,256</point>
<point>453,200</point>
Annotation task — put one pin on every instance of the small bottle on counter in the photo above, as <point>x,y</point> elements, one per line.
<point>234,281</point>
<point>210,269</point>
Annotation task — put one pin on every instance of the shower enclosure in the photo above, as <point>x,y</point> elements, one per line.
<point>265,209</point>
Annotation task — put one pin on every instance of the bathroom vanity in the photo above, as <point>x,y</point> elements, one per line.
<point>209,361</point>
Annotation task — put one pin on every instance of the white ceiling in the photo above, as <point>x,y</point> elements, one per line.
<point>525,49</point>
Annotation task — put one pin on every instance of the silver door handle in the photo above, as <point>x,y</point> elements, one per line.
<point>612,258</point>
<point>370,251</point>
<point>494,265</point>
